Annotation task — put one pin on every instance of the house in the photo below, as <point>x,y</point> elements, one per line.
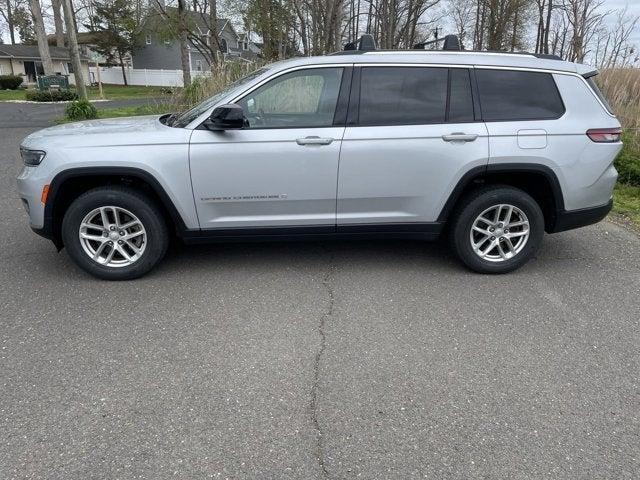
<point>249,47</point>
<point>25,61</point>
<point>86,44</point>
<point>160,52</point>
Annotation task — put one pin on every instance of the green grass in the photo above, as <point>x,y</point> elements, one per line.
<point>155,109</point>
<point>11,95</point>
<point>116,92</point>
<point>626,202</point>
<point>111,92</point>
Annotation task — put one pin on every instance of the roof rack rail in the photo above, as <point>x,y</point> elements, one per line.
<point>366,43</point>
<point>450,42</point>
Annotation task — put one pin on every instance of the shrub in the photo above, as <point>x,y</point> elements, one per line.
<point>50,96</point>
<point>628,161</point>
<point>10,82</point>
<point>621,86</point>
<point>80,110</point>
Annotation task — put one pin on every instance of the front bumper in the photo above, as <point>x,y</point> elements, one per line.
<point>570,219</point>
<point>30,191</point>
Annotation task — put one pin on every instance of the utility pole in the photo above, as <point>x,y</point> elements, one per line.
<point>74,52</point>
<point>41,36</point>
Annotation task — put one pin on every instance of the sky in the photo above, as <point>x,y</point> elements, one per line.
<point>633,11</point>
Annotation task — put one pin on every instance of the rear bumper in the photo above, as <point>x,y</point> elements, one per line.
<point>567,220</point>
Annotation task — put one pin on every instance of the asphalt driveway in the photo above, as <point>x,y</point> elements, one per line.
<point>373,360</point>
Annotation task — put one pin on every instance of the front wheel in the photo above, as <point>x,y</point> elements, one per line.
<point>114,233</point>
<point>497,229</point>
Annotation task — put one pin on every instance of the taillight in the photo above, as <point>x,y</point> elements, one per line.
<point>604,135</point>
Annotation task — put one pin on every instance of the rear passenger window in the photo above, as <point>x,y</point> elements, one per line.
<point>513,95</point>
<point>403,95</point>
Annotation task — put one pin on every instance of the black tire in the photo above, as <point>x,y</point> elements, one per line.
<point>471,206</point>
<point>157,234</point>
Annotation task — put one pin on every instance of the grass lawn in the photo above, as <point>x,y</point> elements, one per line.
<point>11,95</point>
<point>626,202</point>
<point>111,92</point>
<point>115,92</point>
<point>156,109</point>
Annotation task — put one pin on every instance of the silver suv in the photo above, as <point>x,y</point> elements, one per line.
<point>492,149</point>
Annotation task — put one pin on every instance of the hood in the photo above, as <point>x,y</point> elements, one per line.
<point>107,126</point>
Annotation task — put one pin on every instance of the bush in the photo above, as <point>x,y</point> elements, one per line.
<point>628,161</point>
<point>10,82</point>
<point>51,96</point>
<point>80,110</point>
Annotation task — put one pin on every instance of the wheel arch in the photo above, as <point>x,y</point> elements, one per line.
<point>67,185</point>
<point>539,181</point>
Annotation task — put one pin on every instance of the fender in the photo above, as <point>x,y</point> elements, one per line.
<point>50,231</point>
<point>479,174</point>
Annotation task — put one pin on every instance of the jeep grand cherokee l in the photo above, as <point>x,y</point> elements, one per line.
<point>493,149</point>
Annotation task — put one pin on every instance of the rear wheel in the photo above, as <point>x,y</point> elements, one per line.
<point>114,233</point>
<point>497,229</point>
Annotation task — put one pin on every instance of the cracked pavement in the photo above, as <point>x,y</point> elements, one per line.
<point>340,360</point>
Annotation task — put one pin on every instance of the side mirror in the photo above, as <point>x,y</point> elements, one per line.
<point>226,117</point>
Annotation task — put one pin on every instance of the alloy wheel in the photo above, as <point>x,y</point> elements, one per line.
<point>112,236</point>
<point>499,233</point>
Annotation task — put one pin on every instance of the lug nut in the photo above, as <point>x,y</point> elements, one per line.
<point>120,242</point>
<point>112,227</point>
<point>506,230</point>
<point>493,238</point>
<point>122,233</point>
<point>110,243</point>
<point>105,234</point>
<point>500,225</point>
<point>491,229</point>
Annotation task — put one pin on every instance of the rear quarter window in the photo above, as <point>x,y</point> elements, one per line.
<point>595,89</point>
<point>507,95</point>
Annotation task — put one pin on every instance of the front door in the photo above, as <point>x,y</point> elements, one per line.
<point>411,137</point>
<point>282,169</point>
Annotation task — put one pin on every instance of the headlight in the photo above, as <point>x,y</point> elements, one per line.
<point>32,157</point>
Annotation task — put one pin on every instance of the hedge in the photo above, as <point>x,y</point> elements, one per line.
<point>51,96</point>
<point>10,82</point>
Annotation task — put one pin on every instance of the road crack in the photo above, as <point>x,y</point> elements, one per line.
<point>327,283</point>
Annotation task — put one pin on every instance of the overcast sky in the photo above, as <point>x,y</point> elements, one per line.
<point>633,11</point>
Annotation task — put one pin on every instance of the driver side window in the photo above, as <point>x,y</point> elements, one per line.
<point>304,98</point>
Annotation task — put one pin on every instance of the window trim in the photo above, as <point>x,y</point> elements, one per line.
<point>353,117</point>
<point>545,119</point>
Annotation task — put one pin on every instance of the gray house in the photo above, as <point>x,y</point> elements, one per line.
<point>159,51</point>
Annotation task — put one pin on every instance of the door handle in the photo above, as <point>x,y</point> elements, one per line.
<point>459,137</point>
<point>314,141</point>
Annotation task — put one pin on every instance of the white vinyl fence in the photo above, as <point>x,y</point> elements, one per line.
<point>142,76</point>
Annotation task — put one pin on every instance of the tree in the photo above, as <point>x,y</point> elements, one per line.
<point>117,22</point>
<point>184,46</point>
<point>74,52</point>
<point>23,23</point>
<point>199,25</point>
<point>6,11</point>
<point>41,37</point>
<point>58,22</point>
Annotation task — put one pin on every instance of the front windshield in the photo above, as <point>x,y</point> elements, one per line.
<point>184,119</point>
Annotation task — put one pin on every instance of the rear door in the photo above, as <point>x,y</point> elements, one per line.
<point>282,169</point>
<point>412,133</point>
